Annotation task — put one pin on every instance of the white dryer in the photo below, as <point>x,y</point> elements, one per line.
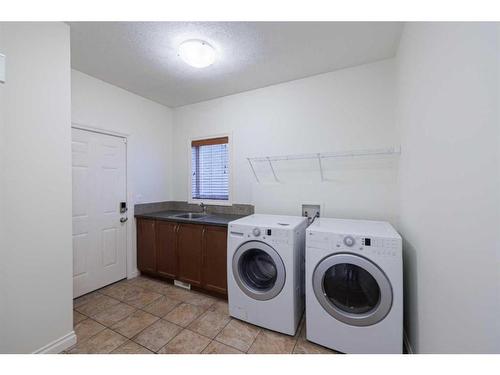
<point>265,271</point>
<point>354,286</point>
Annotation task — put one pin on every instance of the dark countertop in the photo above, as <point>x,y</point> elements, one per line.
<point>221,220</point>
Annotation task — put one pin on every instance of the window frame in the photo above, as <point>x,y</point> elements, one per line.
<point>211,202</point>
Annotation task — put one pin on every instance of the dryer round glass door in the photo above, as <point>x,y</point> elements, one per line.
<point>352,289</point>
<point>258,270</point>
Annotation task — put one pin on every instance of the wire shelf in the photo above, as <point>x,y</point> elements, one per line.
<point>391,151</point>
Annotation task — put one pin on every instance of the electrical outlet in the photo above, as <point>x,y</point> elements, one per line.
<point>311,210</point>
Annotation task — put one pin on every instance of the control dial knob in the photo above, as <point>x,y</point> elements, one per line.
<point>349,241</point>
<point>256,232</point>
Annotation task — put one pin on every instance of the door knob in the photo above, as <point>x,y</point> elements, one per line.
<point>123,219</point>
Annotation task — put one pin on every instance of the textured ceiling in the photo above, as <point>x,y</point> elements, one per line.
<point>141,57</point>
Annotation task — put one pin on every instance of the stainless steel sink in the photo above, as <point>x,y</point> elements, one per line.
<point>191,215</point>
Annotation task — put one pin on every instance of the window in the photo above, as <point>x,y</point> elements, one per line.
<point>210,169</point>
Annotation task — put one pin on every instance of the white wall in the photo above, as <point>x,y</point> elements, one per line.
<point>148,125</point>
<point>3,274</point>
<point>449,180</point>
<point>347,109</point>
<point>35,250</point>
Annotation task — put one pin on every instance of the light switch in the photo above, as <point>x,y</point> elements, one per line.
<point>2,68</point>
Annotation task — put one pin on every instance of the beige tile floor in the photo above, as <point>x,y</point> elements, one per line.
<point>146,316</point>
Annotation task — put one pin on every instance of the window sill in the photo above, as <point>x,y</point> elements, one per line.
<point>211,202</point>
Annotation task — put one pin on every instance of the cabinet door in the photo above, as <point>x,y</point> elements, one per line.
<point>146,249</point>
<point>214,268</point>
<point>166,254</point>
<point>189,245</point>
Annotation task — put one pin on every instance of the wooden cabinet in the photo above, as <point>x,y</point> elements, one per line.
<point>189,248</point>
<point>166,248</point>
<point>146,246</point>
<point>193,253</point>
<point>214,264</point>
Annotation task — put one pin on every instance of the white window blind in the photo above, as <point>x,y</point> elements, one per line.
<point>210,169</point>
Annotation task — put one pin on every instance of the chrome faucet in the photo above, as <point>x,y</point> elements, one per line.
<point>203,207</point>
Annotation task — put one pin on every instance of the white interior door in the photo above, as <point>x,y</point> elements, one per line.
<point>99,185</point>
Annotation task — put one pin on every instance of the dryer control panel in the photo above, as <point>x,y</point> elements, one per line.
<point>373,245</point>
<point>378,246</point>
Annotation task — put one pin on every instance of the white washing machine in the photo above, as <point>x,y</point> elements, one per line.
<point>354,286</point>
<point>265,271</point>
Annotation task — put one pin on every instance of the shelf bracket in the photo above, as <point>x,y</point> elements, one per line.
<point>272,169</point>
<point>321,168</point>
<point>253,170</point>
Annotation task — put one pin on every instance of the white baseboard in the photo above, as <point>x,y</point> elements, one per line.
<point>407,343</point>
<point>57,346</point>
<point>133,274</point>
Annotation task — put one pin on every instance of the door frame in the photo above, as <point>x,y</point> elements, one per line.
<point>131,273</point>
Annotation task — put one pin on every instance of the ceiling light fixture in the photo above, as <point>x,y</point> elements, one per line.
<point>197,53</point>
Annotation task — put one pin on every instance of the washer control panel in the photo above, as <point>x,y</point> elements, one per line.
<point>276,236</point>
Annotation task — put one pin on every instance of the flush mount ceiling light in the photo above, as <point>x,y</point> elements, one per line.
<point>197,53</point>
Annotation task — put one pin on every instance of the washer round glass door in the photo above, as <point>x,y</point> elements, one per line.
<point>258,270</point>
<point>352,289</point>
